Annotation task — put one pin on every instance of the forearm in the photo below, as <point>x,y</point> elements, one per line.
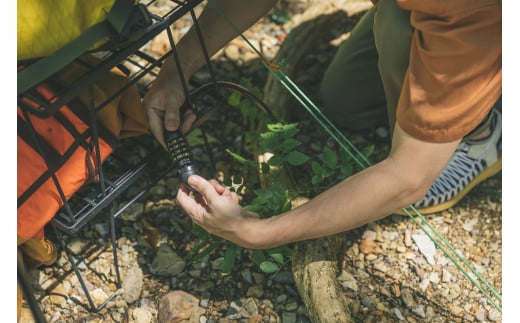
<point>398,181</point>
<point>362,198</point>
<point>216,30</point>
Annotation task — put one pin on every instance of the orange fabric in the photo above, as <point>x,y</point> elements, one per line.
<point>455,71</point>
<point>42,205</point>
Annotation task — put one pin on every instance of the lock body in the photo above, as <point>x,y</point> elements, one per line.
<point>181,154</point>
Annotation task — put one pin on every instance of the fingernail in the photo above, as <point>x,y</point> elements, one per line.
<point>193,180</point>
<point>171,123</point>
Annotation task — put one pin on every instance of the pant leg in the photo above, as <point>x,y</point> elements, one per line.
<point>393,37</point>
<point>351,89</point>
<point>361,86</point>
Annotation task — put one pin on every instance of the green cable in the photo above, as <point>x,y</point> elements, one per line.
<point>305,98</point>
<point>329,123</point>
<point>322,124</point>
<point>340,138</point>
<point>455,262</point>
<point>405,210</point>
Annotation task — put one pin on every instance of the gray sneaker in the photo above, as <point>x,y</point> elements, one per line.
<point>473,162</point>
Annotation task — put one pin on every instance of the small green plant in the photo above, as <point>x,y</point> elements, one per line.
<point>334,162</point>
<point>272,260</point>
<point>280,140</point>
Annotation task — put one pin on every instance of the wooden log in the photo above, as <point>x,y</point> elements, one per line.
<point>315,268</point>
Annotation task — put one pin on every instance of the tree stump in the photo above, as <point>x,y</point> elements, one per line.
<point>312,28</point>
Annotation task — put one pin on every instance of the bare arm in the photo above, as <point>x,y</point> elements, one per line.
<point>163,100</point>
<point>398,181</point>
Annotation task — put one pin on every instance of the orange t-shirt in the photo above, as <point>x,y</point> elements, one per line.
<point>455,70</point>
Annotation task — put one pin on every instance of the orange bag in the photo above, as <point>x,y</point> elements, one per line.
<point>65,149</point>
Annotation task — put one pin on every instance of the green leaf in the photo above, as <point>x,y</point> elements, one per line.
<point>265,168</point>
<point>237,157</point>
<point>200,232</point>
<point>368,151</point>
<point>253,207</point>
<point>234,99</point>
<point>229,259</point>
<point>257,256</point>
<point>275,127</point>
<point>276,160</point>
<point>267,135</point>
<point>287,207</point>
<point>290,130</point>
<point>249,163</point>
<point>316,167</point>
<point>195,250</point>
<point>227,180</point>
<point>328,172</point>
<point>290,144</point>
<point>205,250</point>
<point>285,250</point>
<point>344,156</point>
<point>277,257</point>
<point>329,158</point>
<point>263,199</point>
<point>269,267</point>
<point>271,141</point>
<point>346,170</point>
<point>296,158</point>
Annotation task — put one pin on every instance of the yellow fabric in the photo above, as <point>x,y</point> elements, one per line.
<point>123,116</point>
<point>37,252</point>
<point>43,26</point>
<point>32,253</point>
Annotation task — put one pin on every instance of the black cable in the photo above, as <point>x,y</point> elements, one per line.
<point>177,144</point>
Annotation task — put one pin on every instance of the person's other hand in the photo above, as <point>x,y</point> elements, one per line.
<point>215,208</point>
<point>162,104</point>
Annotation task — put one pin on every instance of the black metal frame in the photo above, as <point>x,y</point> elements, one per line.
<point>72,218</point>
<point>85,206</point>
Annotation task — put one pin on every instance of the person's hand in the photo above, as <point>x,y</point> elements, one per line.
<point>215,208</point>
<point>162,104</point>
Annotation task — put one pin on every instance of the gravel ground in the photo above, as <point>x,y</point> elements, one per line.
<point>390,271</point>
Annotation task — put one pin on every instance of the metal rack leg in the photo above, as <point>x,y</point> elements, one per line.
<point>75,268</point>
<point>28,292</point>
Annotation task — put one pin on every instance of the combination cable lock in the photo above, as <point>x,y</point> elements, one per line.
<point>176,143</point>
<point>181,154</point>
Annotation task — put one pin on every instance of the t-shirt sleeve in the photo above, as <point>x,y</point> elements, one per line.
<point>455,71</point>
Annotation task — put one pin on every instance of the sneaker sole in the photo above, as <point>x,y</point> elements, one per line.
<point>490,171</point>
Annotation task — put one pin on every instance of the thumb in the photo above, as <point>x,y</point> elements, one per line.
<point>204,187</point>
<point>171,120</point>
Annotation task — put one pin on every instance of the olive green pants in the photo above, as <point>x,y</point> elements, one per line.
<point>361,86</point>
